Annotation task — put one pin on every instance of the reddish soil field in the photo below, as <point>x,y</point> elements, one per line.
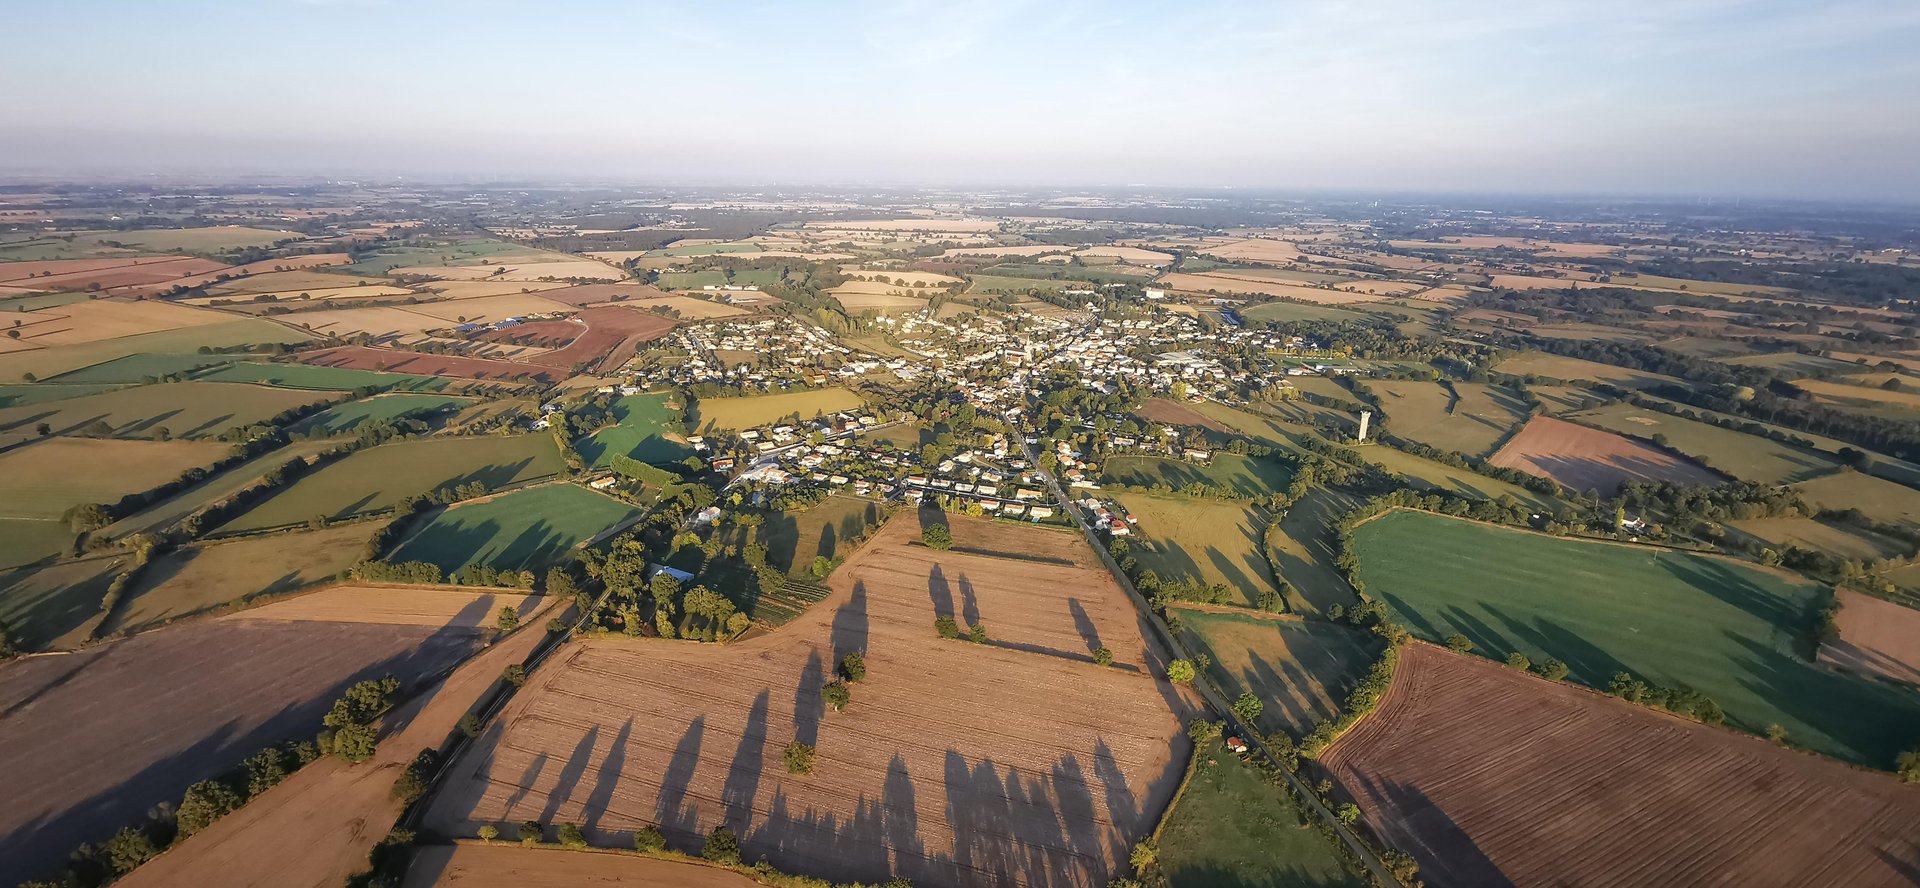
<point>1162,410</point>
<point>613,333</point>
<point>1583,458</point>
<point>546,334</point>
<point>589,294</point>
<point>1015,762</point>
<point>337,811</point>
<point>1489,776</point>
<point>508,866</point>
<point>235,271</point>
<point>1876,637</point>
<point>360,357</point>
<point>96,738</point>
<point>122,273</point>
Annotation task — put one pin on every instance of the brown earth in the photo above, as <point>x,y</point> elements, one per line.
<point>546,334</point>
<point>79,274</point>
<point>96,738</point>
<point>1876,637</point>
<point>1017,762</point>
<point>360,357</point>
<point>1162,410</point>
<point>1583,458</point>
<point>613,333</point>
<point>589,294</point>
<point>316,827</point>
<point>1489,776</point>
<point>510,866</point>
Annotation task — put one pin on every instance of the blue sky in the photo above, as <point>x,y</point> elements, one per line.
<point>1817,99</point>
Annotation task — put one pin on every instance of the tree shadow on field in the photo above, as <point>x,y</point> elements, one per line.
<point>969,603</point>
<point>671,814</point>
<point>1089,633</point>
<point>931,514</point>
<point>849,632</point>
<point>829,542</point>
<point>781,535</point>
<point>607,778</point>
<point>940,592</point>
<point>807,705</point>
<point>1408,818</point>
<point>743,775</point>
<point>570,774</point>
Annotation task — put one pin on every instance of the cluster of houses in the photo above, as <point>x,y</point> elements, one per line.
<point>1108,516</point>
<point>784,352</point>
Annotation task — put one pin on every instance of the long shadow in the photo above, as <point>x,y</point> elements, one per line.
<point>527,781</point>
<point>807,707</point>
<point>671,814</point>
<point>1446,853</point>
<point>849,632</point>
<point>570,774</point>
<point>780,533</point>
<point>743,774</point>
<point>829,542</point>
<point>608,778</point>
<point>940,592</point>
<point>1089,633</point>
<point>969,602</point>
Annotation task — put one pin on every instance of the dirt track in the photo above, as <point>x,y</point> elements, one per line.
<point>954,764</point>
<point>1492,777</point>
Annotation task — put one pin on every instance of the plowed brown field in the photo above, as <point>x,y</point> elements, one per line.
<point>1876,637</point>
<point>506,866</point>
<point>1583,458</point>
<point>612,334</point>
<point>1016,762</point>
<point>360,357</point>
<point>1489,776</point>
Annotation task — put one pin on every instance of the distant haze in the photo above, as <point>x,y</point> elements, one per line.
<point>1686,97</point>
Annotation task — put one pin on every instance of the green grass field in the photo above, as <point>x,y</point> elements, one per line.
<point>1202,540</point>
<point>1246,476</point>
<point>1296,311</point>
<point>48,362</point>
<point>167,512</point>
<point>54,606</point>
<point>527,529</point>
<point>376,478</point>
<point>184,409</point>
<point>755,411</point>
<point>1735,633</point>
<point>1302,670</point>
<point>26,540</point>
<point>140,368</point>
<point>344,418</point>
<point>643,423</point>
<point>1304,547</point>
<point>692,280</point>
<point>45,478</point>
<point>705,250</point>
<point>1000,283</point>
<point>460,251</point>
<point>1235,827</point>
<point>1744,456</point>
<point>41,392</point>
<point>309,376</point>
<point>793,539</point>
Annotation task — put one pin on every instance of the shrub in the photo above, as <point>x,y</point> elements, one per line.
<point>648,840</point>
<point>488,832</point>
<point>515,675</point>
<point>1348,813</point>
<point>1518,661</point>
<point>1459,643</point>
<point>203,803</point>
<point>129,848</point>
<point>1180,671</point>
<point>799,758</point>
<point>1143,856</point>
<point>570,836</point>
<point>470,725</point>
<point>1247,708</point>
<point>946,627</point>
<point>721,846</point>
<point>853,667</point>
<point>412,782</point>
<point>508,620</point>
<point>1908,766</point>
<point>937,536</point>
<point>977,633</point>
<point>1103,656</point>
<point>1551,669</point>
<point>835,694</point>
<point>532,832</point>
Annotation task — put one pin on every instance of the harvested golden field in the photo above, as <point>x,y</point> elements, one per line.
<point>48,362</point>
<point>884,303</point>
<point>1254,250</point>
<point>388,324</point>
<point>337,810</point>
<point>990,250</point>
<point>1821,536</point>
<point>1582,458</point>
<point>309,294</point>
<point>1447,293</point>
<point>900,278</point>
<point>28,274</point>
<point>1577,370</point>
<point>1014,762</point>
<point>97,319</point>
<point>1469,418</point>
<point>469,865</point>
<point>1876,498</point>
<point>482,289</point>
<point>1491,776</point>
<point>67,275</point>
<point>1212,283</point>
<point>184,409</point>
<point>199,578</point>
<point>55,606</point>
<point>909,225</point>
<point>1135,255</point>
<point>45,478</point>
<point>1903,403</point>
<point>691,307</point>
<point>455,607</point>
<point>1877,637</point>
<point>517,270</point>
<point>116,728</point>
<point>292,282</point>
<point>490,308</point>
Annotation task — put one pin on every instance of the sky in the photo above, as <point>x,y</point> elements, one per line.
<point>1644,97</point>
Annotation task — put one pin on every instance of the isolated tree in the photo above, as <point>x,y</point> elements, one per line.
<point>129,848</point>
<point>1348,813</point>
<point>947,627</point>
<point>1180,671</point>
<point>1459,643</point>
<point>1518,661</point>
<point>836,695</point>
<point>937,536</point>
<point>799,758</point>
<point>1247,708</point>
<point>515,674</point>
<point>1102,656</point>
<point>1777,734</point>
<point>508,619</point>
<point>1551,669</point>
<point>203,803</point>
<point>977,633</point>
<point>853,667</point>
<point>470,725</point>
<point>721,846</point>
<point>1908,766</point>
<point>487,832</point>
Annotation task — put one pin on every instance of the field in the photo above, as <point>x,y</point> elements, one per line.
<point>1876,498</point>
<point>54,607</point>
<point>1746,457</point>
<point>1903,404</point>
<point>1582,458</point>
<point>1296,311</point>
<point>1217,283</point>
<point>1577,370</point>
<point>118,727</point>
<point>44,479</point>
<point>198,578</point>
<point>1302,670</point>
<point>182,409</point>
<point>934,772</point>
<point>1428,474</point>
<point>216,239</point>
<point>1877,637</point>
<point>49,362</point>
<point>96,319</point>
<point>1821,536</point>
<point>344,418</point>
<point>794,539</point>
<point>692,280</point>
<point>502,866</point>
<point>563,269</point>
<point>1466,765</point>
<point>1303,549</point>
<point>755,411</point>
<point>141,368</point>
<point>1241,475</point>
<point>856,302</point>
<point>1168,412</point>
<point>376,478</point>
<point>1204,540</point>
<point>340,810</point>
<point>1234,827</point>
<point>1472,424</point>
<point>308,376</point>
<point>167,512</point>
<point>997,283</point>
<point>527,529</point>
<point>26,540</point>
<point>358,357</point>
<point>1737,634</point>
<point>612,334</point>
<point>642,426</point>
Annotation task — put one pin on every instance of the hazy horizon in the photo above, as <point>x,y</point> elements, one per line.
<point>1694,97</point>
